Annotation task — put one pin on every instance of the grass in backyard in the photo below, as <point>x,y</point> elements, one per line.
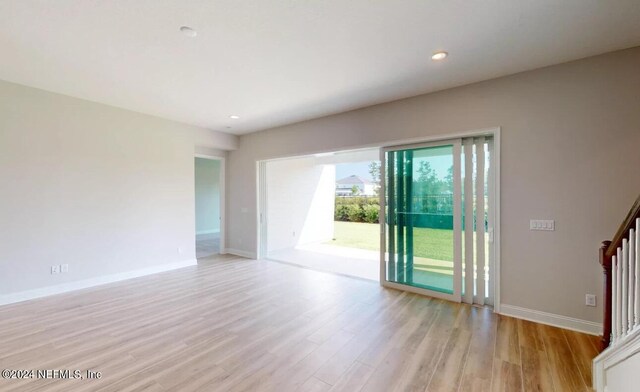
<point>428,243</point>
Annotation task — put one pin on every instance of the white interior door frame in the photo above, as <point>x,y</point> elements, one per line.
<point>261,208</point>
<point>223,208</point>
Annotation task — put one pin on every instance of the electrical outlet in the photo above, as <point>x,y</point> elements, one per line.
<point>55,269</point>
<point>590,300</point>
<point>64,268</point>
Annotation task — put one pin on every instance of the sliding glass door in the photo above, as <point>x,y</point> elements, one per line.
<point>435,216</point>
<point>422,215</point>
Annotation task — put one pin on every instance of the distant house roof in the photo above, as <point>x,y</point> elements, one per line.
<point>353,180</point>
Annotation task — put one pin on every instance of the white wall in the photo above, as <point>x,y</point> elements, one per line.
<point>570,139</point>
<point>300,200</point>
<point>623,377</point>
<point>214,152</point>
<point>102,189</point>
<point>207,188</point>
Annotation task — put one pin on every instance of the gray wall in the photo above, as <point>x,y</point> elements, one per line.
<point>207,188</point>
<point>570,142</point>
<point>102,189</point>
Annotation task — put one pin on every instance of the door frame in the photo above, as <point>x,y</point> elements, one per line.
<point>261,210</point>
<point>495,206</point>
<point>223,226</point>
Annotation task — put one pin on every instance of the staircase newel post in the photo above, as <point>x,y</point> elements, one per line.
<point>605,261</point>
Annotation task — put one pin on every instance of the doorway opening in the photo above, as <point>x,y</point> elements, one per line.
<point>438,215</point>
<point>209,197</point>
<point>322,212</point>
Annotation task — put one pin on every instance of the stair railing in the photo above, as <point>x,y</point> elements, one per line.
<point>620,260</point>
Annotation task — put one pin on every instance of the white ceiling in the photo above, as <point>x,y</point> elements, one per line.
<point>274,62</point>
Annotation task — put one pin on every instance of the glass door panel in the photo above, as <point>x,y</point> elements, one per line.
<point>422,234</point>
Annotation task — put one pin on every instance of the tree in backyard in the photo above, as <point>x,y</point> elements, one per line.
<point>434,193</point>
<point>428,180</point>
<point>355,191</point>
<point>374,171</point>
<point>448,180</point>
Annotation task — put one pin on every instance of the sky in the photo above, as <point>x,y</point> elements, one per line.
<point>360,169</point>
<point>439,163</point>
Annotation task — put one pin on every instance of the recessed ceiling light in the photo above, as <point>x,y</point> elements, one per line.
<point>188,31</point>
<point>234,117</point>
<point>439,56</point>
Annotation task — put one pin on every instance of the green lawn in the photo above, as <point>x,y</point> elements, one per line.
<point>428,243</point>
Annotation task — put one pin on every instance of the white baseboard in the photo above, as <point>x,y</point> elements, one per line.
<point>241,253</point>
<point>91,282</point>
<point>552,319</point>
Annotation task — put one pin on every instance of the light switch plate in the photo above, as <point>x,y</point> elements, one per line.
<point>55,269</point>
<point>590,300</point>
<point>64,268</point>
<point>541,224</point>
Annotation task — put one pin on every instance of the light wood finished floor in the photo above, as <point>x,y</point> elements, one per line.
<point>207,245</point>
<point>243,325</point>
